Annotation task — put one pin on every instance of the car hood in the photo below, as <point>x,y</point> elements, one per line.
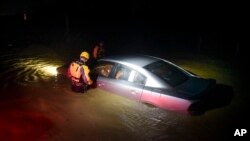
<point>195,87</point>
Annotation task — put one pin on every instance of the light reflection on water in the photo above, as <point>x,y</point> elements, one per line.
<point>34,70</point>
<point>31,69</point>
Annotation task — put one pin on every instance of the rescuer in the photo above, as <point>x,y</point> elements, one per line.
<point>98,51</point>
<point>78,72</point>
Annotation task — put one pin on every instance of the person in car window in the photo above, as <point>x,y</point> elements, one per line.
<point>122,73</point>
<point>119,74</point>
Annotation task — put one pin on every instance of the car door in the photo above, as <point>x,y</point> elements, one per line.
<point>103,70</point>
<point>126,82</point>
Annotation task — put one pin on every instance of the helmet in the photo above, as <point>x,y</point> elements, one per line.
<point>85,54</point>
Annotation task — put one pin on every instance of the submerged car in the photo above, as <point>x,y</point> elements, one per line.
<point>153,81</point>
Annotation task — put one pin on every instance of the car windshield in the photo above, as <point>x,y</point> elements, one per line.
<point>169,73</point>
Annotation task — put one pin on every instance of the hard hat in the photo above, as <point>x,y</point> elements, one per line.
<point>85,54</point>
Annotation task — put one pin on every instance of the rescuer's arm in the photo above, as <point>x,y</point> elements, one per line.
<point>86,74</point>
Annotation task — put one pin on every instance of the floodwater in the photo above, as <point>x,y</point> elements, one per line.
<point>37,105</point>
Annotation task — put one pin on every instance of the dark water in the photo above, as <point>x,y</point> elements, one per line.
<point>38,105</point>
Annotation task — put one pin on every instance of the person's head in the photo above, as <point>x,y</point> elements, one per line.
<point>84,56</point>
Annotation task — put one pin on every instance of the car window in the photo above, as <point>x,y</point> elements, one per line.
<point>122,73</point>
<point>125,73</point>
<point>139,78</point>
<point>169,73</point>
<point>104,69</point>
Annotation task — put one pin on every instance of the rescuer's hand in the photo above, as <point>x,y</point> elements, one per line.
<point>90,82</point>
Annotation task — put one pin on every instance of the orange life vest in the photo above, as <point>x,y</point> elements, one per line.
<point>75,71</point>
<point>76,74</point>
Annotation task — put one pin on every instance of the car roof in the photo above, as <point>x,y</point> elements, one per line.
<point>139,60</point>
